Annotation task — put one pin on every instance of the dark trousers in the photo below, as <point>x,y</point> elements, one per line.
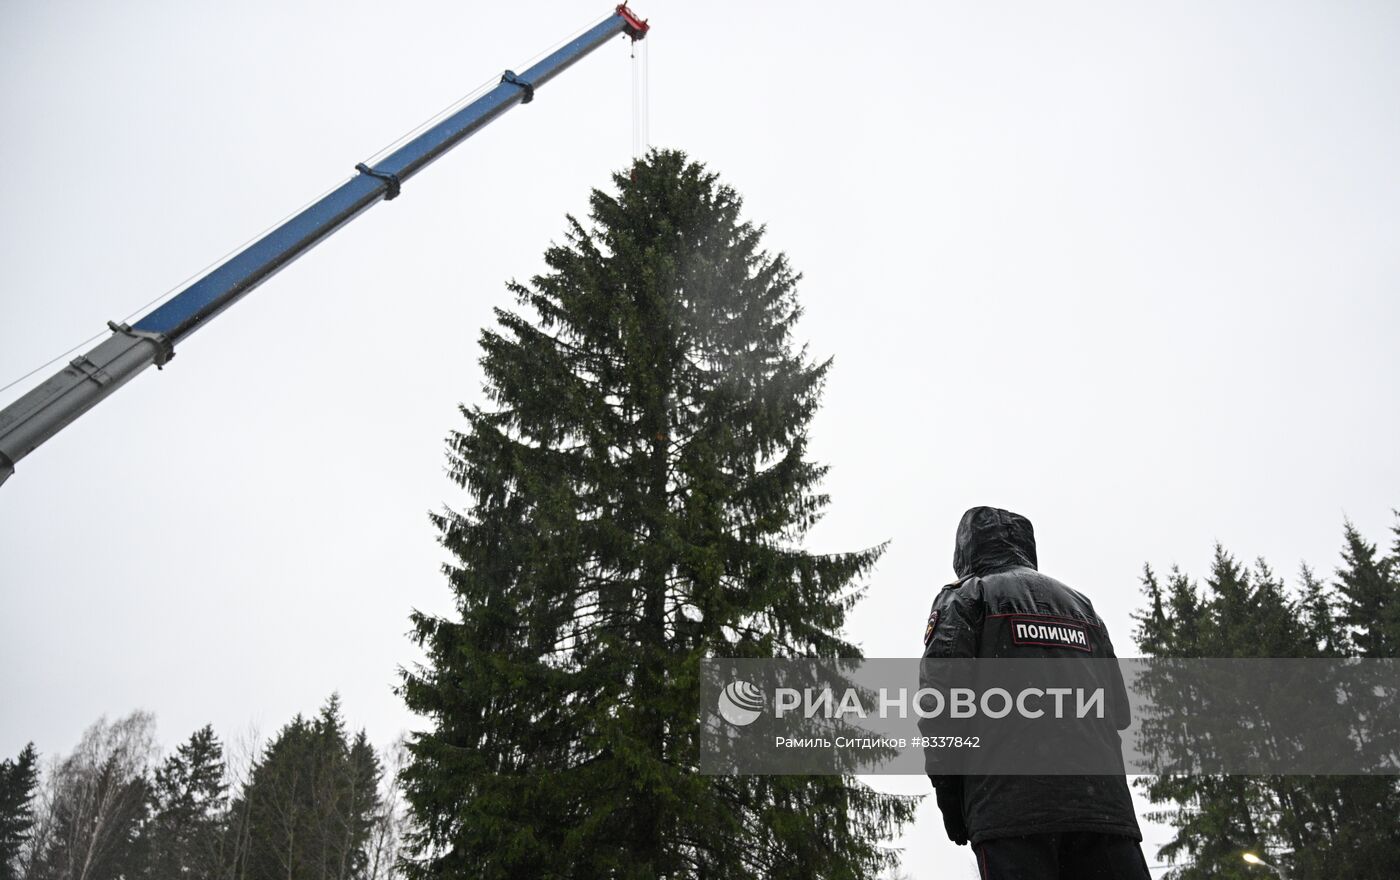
<point>1080,855</point>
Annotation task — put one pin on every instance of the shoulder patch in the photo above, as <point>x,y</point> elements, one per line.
<point>932,624</point>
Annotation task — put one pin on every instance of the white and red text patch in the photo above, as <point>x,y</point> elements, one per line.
<point>1049,632</point>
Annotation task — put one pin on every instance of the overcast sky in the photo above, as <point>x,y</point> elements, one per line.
<point>1127,268</point>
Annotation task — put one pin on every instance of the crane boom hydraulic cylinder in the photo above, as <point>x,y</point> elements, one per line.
<point>91,377</point>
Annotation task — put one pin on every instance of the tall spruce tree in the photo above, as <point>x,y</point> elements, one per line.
<point>19,778</point>
<point>639,492</point>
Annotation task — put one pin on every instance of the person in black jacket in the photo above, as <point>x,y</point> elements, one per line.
<point>1023,826</point>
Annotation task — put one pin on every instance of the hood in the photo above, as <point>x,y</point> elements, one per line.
<point>991,539</point>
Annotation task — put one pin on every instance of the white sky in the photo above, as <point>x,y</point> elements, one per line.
<point>1127,268</point>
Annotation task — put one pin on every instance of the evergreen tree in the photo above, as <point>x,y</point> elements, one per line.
<point>1389,620</point>
<point>310,802</point>
<point>1368,599</point>
<point>1369,592</point>
<point>188,799</point>
<point>360,793</point>
<point>1320,616</point>
<point>1215,816</point>
<point>277,802</point>
<point>1172,624</point>
<point>639,494</point>
<point>1151,628</point>
<point>19,778</point>
<point>1317,827</point>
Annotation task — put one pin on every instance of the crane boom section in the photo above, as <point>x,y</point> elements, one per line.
<point>93,376</point>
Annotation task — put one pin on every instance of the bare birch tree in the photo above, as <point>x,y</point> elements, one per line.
<point>94,802</point>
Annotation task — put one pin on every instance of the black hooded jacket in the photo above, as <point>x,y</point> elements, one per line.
<point>1001,606</point>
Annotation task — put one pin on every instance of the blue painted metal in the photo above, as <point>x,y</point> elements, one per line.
<point>225,285</point>
<point>92,377</point>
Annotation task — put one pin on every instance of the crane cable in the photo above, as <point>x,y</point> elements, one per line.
<point>641,99</point>
<point>433,120</point>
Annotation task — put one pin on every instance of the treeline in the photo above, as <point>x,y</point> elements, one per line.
<point>1312,826</point>
<point>315,803</point>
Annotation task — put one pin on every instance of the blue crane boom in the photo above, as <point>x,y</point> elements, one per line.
<point>91,377</point>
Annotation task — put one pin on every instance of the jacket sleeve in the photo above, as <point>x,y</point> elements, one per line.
<point>954,627</point>
<point>953,631</point>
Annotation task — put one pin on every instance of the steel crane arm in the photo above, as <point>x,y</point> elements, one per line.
<point>93,376</point>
